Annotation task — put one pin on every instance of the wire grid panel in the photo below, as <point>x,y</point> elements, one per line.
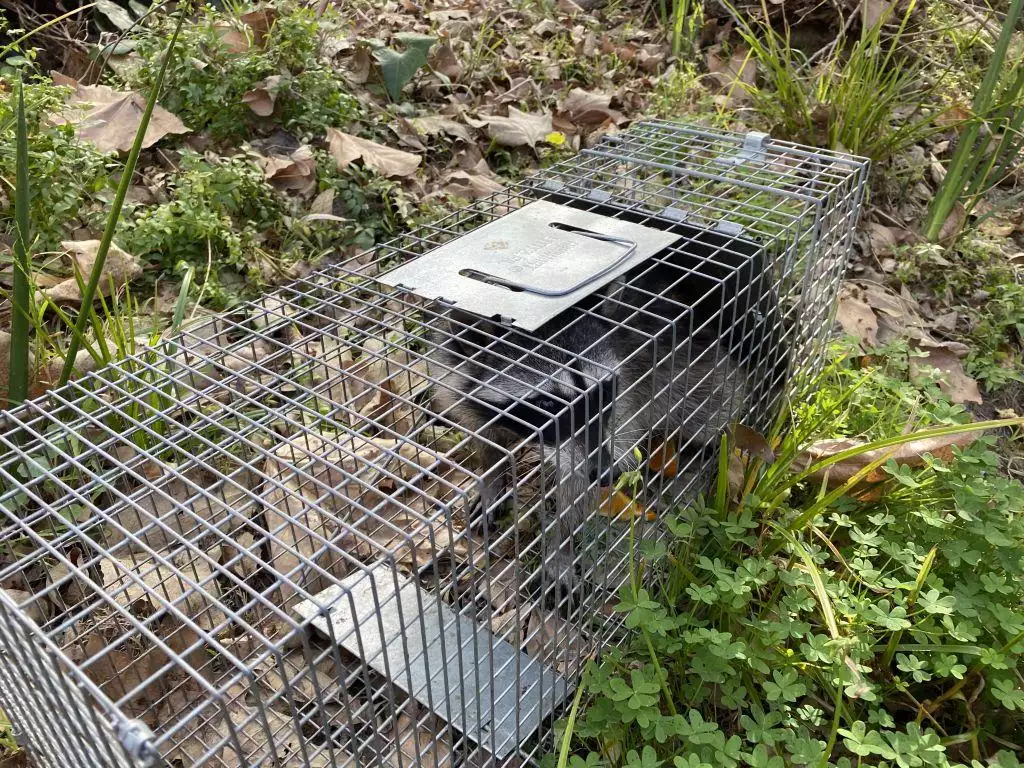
<point>345,526</point>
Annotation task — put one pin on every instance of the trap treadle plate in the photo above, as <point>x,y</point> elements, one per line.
<point>528,266</point>
<point>420,634</point>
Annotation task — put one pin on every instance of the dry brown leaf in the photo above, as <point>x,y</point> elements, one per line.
<point>947,358</point>
<point>651,58</point>
<point>881,240</point>
<point>259,21</point>
<point>752,442</point>
<point>875,10</point>
<point>468,186</point>
<point>546,28</point>
<point>732,74</point>
<point>997,227</point>
<point>857,318</point>
<point>394,163</point>
<point>953,224</point>
<point>421,739</point>
<point>295,171</point>
<point>233,39</point>
<point>297,529</point>
<point>556,642</point>
<point>589,109</point>
<point>119,268</point>
<point>323,203</point>
<point>911,454</point>
<point>169,599</point>
<point>175,505</point>
<point>360,65</point>
<point>366,483</point>
<point>261,99</point>
<point>519,129</point>
<point>443,60</point>
<point>435,125</point>
<point>110,119</point>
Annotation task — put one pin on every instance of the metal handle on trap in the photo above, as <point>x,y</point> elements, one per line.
<point>626,243</point>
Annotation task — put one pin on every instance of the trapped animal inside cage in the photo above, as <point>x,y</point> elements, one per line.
<point>665,355</point>
<point>330,526</point>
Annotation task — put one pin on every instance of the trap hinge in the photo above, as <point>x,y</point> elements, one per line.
<point>753,150</point>
<point>137,740</point>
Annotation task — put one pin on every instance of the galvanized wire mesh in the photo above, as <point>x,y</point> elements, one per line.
<point>274,540</point>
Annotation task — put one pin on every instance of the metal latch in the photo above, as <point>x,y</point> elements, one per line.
<point>753,150</point>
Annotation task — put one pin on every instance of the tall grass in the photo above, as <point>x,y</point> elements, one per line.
<point>18,372</point>
<point>88,311</point>
<point>990,145</point>
<point>684,25</point>
<point>847,100</point>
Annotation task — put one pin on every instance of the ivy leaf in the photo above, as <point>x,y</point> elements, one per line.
<point>398,68</point>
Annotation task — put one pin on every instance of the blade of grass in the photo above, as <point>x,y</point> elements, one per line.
<point>962,173</point>
<point>14,44</point>
<point>849,453</point>
<point>180,304</point>
<point>115,208</point>
<point>570,725</point>
<point>17,388</point>
<point>894,639</point>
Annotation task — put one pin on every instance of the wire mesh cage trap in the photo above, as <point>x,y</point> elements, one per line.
<point>372,519</point>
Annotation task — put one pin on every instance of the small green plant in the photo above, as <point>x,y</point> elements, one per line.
<point>997,337</point>
<point>87,314</point>
<point>679,91</point>
<point>18,364</point>
<point>851,98</point>
<point>53,152</point>
<point>219,212</point>
<point>683,23</point>
<point>399,67</point>
<point>789,623</point>
<point>209,79</point>
<point>992,139</point>
<point>987,294</point>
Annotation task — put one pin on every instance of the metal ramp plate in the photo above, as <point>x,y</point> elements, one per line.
<point>525,268</point>
<point>420,634</point>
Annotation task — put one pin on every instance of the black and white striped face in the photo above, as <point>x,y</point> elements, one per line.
<point>571,406</point>
<point>540,391</point>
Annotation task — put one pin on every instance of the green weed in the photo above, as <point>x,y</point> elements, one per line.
<point>785,624</point>
<point>978,283</point>
<point>680,91</point>
<point>207,81</point>
<point>53,153</point>
<point>850,99</point>
<point>990,145</point>
<point>219,212</point>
